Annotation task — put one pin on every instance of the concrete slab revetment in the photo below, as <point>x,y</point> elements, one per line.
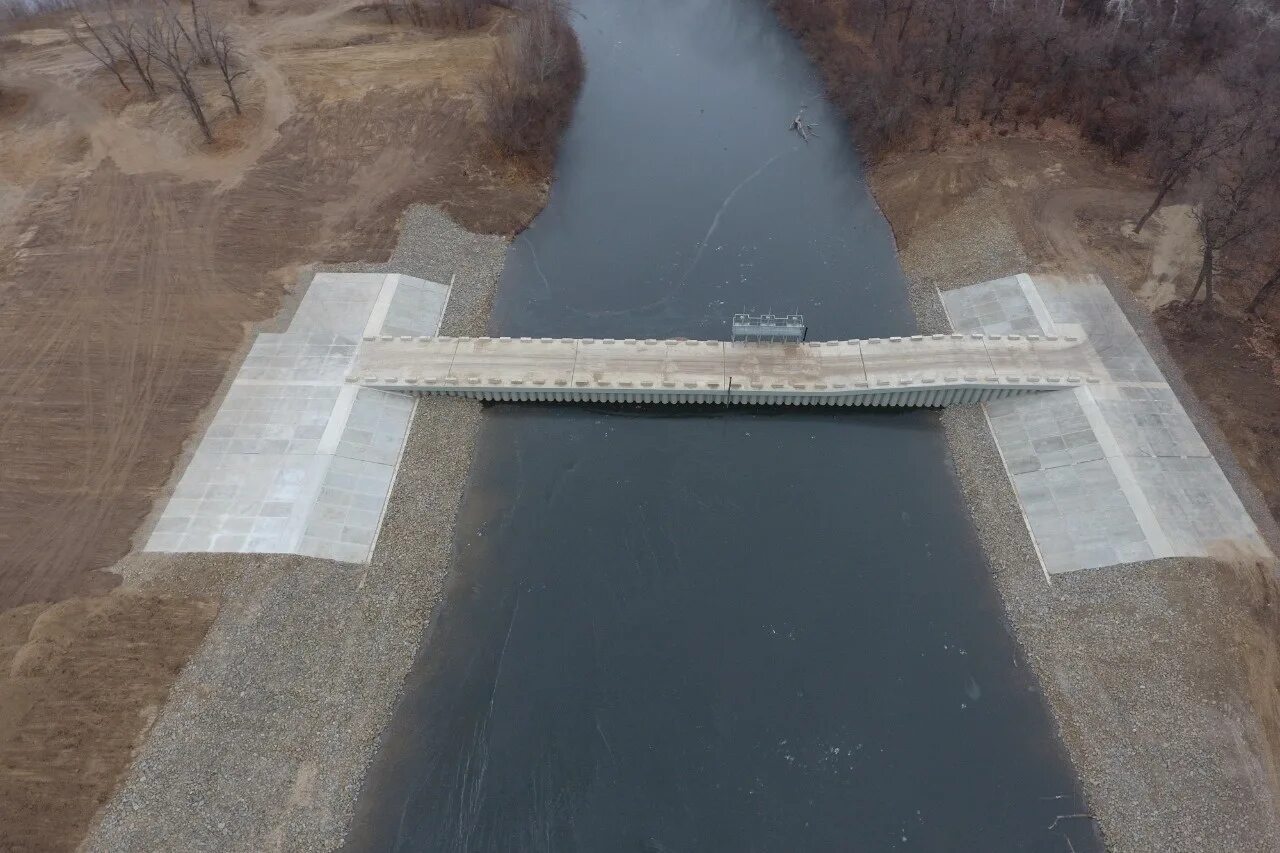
<point>1113,471</point>
<point>296,459</point>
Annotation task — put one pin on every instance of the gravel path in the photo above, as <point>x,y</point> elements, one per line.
<point>1141,663</point>
<point>264,741</point>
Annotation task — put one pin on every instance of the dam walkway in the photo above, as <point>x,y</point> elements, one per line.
<point>301,455</point>
<point>917,370</point>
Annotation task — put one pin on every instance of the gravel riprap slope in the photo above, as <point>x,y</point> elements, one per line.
<point>265,739</point>
<point>1140,663</point>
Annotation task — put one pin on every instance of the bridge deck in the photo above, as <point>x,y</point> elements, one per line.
<point>916,370</point>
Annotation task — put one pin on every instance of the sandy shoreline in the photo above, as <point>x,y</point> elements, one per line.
<point>264,741</point>
<point>1139,663</point>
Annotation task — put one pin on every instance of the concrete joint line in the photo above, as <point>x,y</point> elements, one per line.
<point>395,471</point>
<point>338,417</point>
<point>381,305</point>
<point>448,294</point>
<point>1151,529</point>
<point>1038,308</point>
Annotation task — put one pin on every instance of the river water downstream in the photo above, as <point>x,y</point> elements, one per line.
<point>710,630</point>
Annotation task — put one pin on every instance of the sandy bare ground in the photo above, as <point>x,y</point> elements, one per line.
<point>133,261</point>
<point>132,258</point>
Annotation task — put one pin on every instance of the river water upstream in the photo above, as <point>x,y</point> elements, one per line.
<point>689,630</point>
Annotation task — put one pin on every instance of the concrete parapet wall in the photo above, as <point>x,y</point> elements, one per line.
<point>933,370</point>
<point>900,397</point>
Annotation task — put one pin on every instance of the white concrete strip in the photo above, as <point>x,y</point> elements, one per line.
<point>276,383</point>
<point>1022,511</point>
<point>302,507</point>
<point>338,419</point>
<point>258,484</point>
<point>395,474</point>
<point>1124,475</point>
<point>448,294</point>
<point>381,305</point>
<point>1038,308</point>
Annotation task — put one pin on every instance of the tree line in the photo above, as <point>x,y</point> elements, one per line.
<point>1190,89</point>
<point>537,71</point>
<point>159,45</point>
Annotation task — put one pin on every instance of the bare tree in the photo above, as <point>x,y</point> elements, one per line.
<point>96,45</point>
<point>201,32</point>
<point>1235,205</point>
<point>444,14</point>
<point>1194,129</point>
<point>165,39</point>
<point>226,56</point>
<point>1263,256</point>
<point>530,90</point>
<point>125,32</point>
<point>1268,289</point>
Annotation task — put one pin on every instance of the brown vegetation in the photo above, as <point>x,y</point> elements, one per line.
<point>133,258</point>
<point>530,93</point>
<point>453,15</point>
<point>176,39</point>
<point>132,255</point>
<point>1190,92</point>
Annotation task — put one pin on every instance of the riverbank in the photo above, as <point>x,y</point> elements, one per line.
<point>135,260</point>
<point>1161,675</point>
<point>265,738</point>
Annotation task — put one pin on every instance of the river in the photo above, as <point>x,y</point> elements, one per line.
<point>711,630</point>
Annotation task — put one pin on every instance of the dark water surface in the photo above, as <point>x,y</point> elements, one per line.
<point>680,630</point>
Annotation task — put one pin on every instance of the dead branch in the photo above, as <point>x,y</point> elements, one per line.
<point>1054,825</point>
<point>165,36</point>
<point>125,35</point>
<point>800,126</point>
<point>98,47</point>
<point>226,57</point>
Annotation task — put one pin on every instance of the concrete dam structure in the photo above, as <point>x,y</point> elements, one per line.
<point>303,450</point>
<point>918,370</point>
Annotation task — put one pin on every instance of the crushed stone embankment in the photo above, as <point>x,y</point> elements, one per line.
<point>1141,664</point>
<point>266,736</point>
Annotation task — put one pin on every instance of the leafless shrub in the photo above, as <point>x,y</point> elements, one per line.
<point>1267,290</point>
<point>441,14</point>
<point>227,58</point>
<point>169,42</point>
<point>1236,203</point>
<point>124,29</point>
<point>1111,67</point>
<point>538,68</point>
